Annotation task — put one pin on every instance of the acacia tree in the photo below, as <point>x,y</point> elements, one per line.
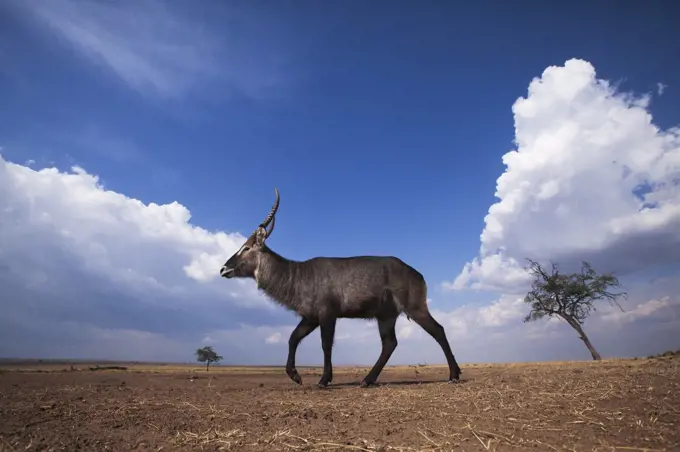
<point>570,296</point>
<point>207,355</point>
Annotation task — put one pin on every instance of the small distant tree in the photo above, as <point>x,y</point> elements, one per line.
<point>207,355</point>
<point>570,296</point>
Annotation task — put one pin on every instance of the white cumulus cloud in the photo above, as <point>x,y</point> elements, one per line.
<point>274,338</point>
<point>75,253</point>
<point>506,309</point>
<point>592,178</point>
<point>147,246</point>
<point>656,307</point>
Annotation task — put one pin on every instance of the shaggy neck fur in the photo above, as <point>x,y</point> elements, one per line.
<point>277,277</point>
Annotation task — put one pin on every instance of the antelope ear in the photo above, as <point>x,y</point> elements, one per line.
<point>260,236</point>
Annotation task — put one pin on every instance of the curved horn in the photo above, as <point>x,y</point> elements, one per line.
<point>271,214</point>
<point>269,232</point>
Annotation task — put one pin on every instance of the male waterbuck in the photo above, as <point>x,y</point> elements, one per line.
<point>323,289</point>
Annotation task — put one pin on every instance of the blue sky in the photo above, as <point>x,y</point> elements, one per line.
<point>385,128</point>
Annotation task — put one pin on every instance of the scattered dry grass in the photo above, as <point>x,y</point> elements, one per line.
<point>631,405</point>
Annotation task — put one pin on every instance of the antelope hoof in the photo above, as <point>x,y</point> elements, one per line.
<point>323,383</point>
<point>367,383</point>
<point>455,376</point>
<point>295,376</point>
<point>454,379</point>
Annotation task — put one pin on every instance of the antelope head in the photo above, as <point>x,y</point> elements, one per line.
<point>244,263</point>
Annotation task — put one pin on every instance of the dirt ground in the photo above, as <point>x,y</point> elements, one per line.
<point>608,405</point>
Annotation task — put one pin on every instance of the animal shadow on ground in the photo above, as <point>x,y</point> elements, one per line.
<point>394,383</point>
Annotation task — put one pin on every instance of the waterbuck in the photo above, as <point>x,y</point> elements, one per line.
<point>323,289</point>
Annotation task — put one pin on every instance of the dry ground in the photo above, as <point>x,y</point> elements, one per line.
<point>610,405</point>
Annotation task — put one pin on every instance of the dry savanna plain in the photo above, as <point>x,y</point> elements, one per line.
<point>626,405</point>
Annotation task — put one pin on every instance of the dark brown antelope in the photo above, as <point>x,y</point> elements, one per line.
<point>323,289</point>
